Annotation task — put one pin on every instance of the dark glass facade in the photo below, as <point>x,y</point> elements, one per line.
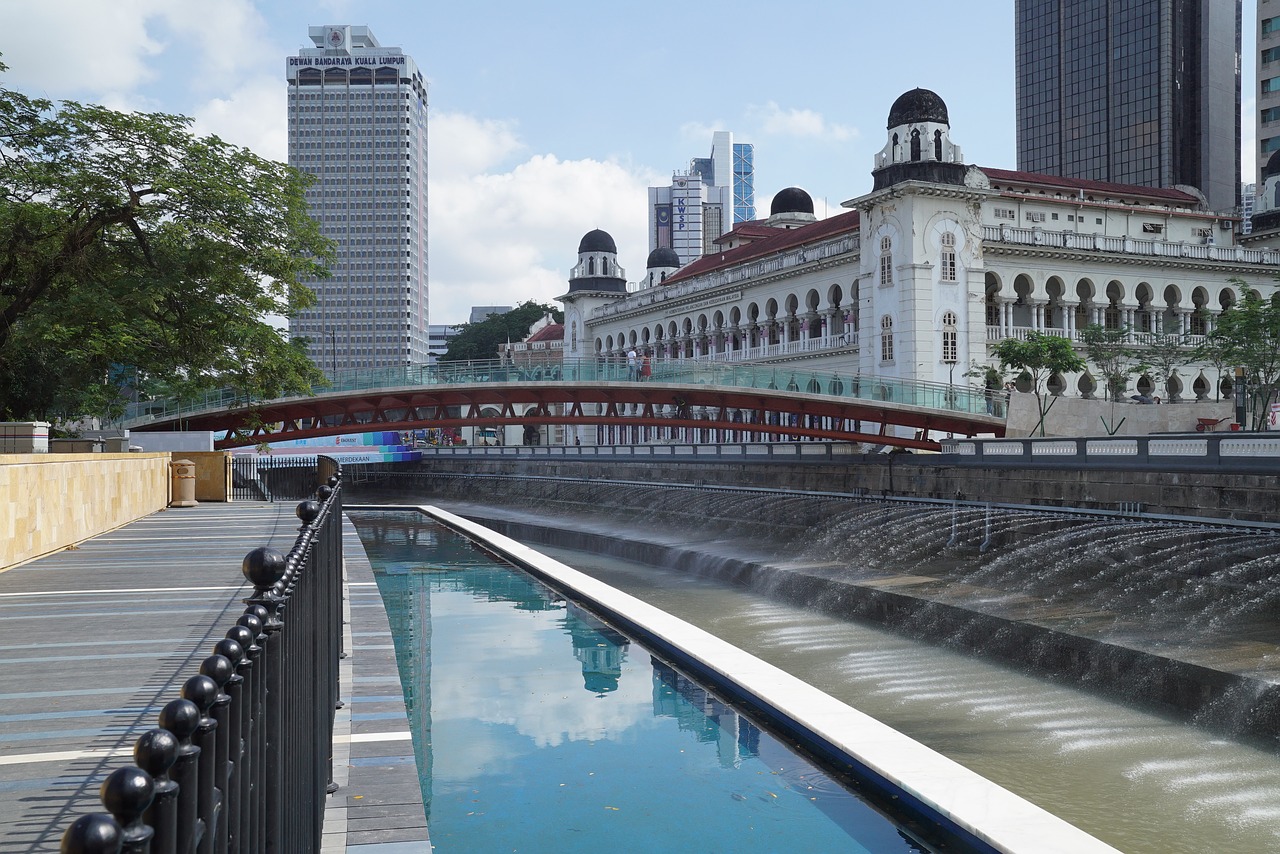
<point>1140,92</point>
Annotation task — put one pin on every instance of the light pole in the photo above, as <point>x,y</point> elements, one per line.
<point>950,362</point>
<point>333,350</point>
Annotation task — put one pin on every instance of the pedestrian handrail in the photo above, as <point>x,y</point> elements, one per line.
<point>935,395</point>
<point>243,760</point>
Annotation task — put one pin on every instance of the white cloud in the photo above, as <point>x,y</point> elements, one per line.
<point>775,120</point>
<point>252,115</point>
<point>55,49</point>
<point>502,237</point>
<point>465,145</point>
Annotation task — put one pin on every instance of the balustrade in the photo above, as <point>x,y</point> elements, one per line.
<point>242,762</point>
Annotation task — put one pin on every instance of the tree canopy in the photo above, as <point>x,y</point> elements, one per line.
<point>132,249</point>
<point>1111,354</point>
<point>1040,356</point>
<point>1247,335</point>
<point>485,339</point>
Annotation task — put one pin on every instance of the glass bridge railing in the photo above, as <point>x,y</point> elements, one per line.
<point>942,396</point>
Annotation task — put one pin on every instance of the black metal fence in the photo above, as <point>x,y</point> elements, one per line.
<point>242,762</point>
<point>268,478</point>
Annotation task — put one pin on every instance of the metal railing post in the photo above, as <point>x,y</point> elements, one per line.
<point>126,793</point>
<point>220,669</point>
<point>264,568</point>
<point>234,726</point>
<point>203,691</point>
<point>155,753</point>
<point>181,718</point>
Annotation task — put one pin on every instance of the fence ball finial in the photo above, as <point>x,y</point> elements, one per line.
<point>307,511</point>
<point>126,793</point>
<point>155,751</point>
<point>202,691</point>
<point>218,668</point>
<point>180,717</point>
<point>243,636</point>
<point>95,833</point>
<point>263,567</point>
<point>231,648</point>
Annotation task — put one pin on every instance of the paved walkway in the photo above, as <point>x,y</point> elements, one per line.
<point>95,640</point>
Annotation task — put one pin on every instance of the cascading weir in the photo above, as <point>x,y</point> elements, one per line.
<point>1155,612</point>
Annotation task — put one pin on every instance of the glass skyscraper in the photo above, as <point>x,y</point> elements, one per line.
<point>358,123</point>
<point>1142,92</point>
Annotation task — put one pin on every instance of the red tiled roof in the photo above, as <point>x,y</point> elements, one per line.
<point>780,241</point>
<point>550,332</point>
<point>753,230</point>
<point>1005,176</point>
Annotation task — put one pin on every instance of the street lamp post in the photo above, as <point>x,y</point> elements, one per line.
<point>950,362</point>
<point>333,350</point>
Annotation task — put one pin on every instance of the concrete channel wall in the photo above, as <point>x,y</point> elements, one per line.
<point>1237,494</point>
<point>986,815</point>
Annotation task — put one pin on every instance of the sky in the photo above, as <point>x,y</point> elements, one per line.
<point>550,119</point>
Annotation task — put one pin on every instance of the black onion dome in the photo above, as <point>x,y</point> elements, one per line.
<point>1273,165</point>
<point>663,256</point>
<point>597,241</point>
<point>918,105</point>
<point>791,200</point>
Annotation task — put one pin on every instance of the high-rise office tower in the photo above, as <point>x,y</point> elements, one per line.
<point>1142,92</point>
<point>706,201</point>
<point>1268,91</point>
<point>358,123</point>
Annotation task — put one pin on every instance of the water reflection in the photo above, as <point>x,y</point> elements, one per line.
<point>514,754</point>
<point>600,649</point>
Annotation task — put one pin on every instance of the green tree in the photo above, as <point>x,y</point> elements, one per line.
<point>1111,354</point>
<point>130,247</point>
<point>1247,335</point>
<point>1212,351</point>
<point>1039,356</point>
<point>1164,353</point>
<point>487,338</point>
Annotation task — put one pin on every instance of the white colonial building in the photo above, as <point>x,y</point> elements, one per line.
<point>925,271</point>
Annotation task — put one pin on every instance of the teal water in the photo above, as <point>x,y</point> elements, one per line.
<point>539,729</point>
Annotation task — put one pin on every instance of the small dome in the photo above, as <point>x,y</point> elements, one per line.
<point>663,256</point>
<point>597,241</point>
<point>791,200</point>
<point>1273,165</point>
<point>918,105</point>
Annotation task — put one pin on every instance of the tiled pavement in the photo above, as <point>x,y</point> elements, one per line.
<point>96,639</point>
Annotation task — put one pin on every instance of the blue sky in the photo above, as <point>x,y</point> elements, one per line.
<point>550,119</point>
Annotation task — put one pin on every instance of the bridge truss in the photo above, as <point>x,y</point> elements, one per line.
<point>621,412</point>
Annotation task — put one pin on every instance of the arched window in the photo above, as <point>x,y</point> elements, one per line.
<point>950,348</point>
<point>947,261</point>
<point>897,149</point>
<point>886,261</point>
<point>591,266</point>
<point>915,145</point>
<point>937,145</point>
<point>886,339</point>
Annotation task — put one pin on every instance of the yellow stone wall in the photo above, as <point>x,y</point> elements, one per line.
<point>213,473</point>
<point>49,501</point>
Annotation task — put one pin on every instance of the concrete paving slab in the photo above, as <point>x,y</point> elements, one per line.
<point>95,639</point>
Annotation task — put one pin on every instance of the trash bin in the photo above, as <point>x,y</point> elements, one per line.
<point>183,475</point>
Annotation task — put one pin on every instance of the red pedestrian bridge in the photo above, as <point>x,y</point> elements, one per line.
<point>682,400</point>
